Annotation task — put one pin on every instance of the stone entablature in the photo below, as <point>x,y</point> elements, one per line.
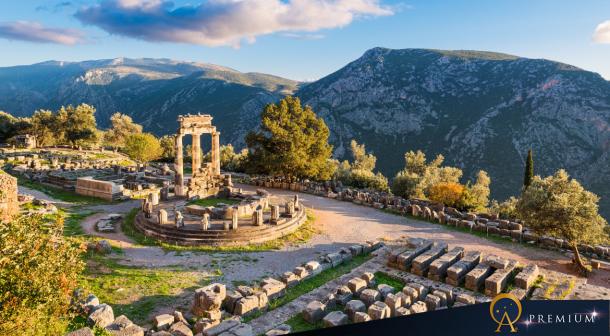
<point>9,204</point>
<point>101,189</point>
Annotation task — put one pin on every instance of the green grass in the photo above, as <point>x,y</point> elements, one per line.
<point>79,322</point>
<point>312,283</point>
<point>60,194</point>
<point>72,222</point>
<point>298,324</point>
<point>383,278</point>
<point>137,291</point>
<point>206,202</point>
<point>301,235</point>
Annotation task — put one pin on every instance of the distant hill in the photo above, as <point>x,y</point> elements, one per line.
<point>152,91</point>
<point>481,110</point>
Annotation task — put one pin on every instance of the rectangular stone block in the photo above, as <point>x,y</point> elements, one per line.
<point>357,285</point>
<point>353,307</point>
<point>438,268</point>
<point>273,288</point>
<point>418,307</point>
<point>433,302</point>
<point>313,312</point>
<point>421,263</point>
<point>527,276</point>
<point>495,261</point>
<point>496,282</point>
<point>379,310</point>
<point>476,278</point>
<point>405,259</point>
<point>457,271</point>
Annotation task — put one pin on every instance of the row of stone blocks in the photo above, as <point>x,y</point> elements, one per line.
<point>488,223</point>
<point>209,302</point>
<point>362,301</point>
<point>456,267</point>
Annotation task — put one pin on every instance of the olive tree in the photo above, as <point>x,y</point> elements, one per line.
<point>559,206</point>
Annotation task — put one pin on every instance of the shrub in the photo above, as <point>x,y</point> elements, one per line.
<point>38,272</point>
<point>448,193</point>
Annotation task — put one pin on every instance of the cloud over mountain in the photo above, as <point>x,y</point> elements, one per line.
<point>35,32</point>
<point>602,32</point>
<point>224,22</point>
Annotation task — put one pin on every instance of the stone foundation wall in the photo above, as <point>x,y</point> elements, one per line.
<point>9,205</point>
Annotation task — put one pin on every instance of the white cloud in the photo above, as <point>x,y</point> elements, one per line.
<point>602,32</point>
<point>225,22</point>
<point>35,32</point>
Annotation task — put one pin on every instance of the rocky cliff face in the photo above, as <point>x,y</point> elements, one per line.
<point>481,110</point>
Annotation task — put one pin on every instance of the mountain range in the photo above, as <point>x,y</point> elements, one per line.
<point>481,110</point>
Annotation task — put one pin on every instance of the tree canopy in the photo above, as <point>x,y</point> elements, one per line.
<point>529,169</point>
<point>559,206</point>
<point>292,142</point>
<point>359,173</point>
<point>122,127</point>
<point>143,147</point>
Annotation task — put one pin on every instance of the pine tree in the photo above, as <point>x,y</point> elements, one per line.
<point>292,142</point>
<point>529,170</point>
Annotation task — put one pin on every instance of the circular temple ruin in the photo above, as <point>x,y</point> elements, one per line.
<point>206,209</point>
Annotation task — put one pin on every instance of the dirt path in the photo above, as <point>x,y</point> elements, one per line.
<point>42,196</point>
<point>342,224</point>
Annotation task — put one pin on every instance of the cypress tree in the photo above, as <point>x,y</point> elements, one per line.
<point>529,169</point>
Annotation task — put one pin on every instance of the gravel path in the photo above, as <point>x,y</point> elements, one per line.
<point>342,224</point>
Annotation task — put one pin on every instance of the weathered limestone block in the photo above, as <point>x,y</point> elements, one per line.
<point>162,217</point>
<point>275,214</point>
<point>343,295</point>
<point>263,300</point>
<point>420,290</point>
<point>208,298</point>
<point>433,302</point>
<point>163,322</point>
<point>290,279</point>
<point>245,290</point>
<point>495,262</point>
<point>448,293</point>
<point>405,259</point>
<point>402,311</point>
<point>334,319</point>
<point>394,301</point>
<point>357,285</point>
<point>301,272</point>
<point>246,305</point>
<point>354,306</point>
<point>495,283</point>
<point>384,290</point>
<point>122,326</point>
<point>313,267</point>
<point>476,277</point>
<point>405,300</point>
<point>257,218</point>
<point>379,310</point>
<point>180,329</point>
<point>205,324</point>
<point>346,254</point>
<point>411,293</point>
<point>213,314</point>
<point>273,288</point>
<point>234,219</point>
<point>356,250</point>
<point>421,263</point>
<point>230,300</point>
<point>220,328</point>
<point>442,296</point>
<point>102,316</point>
<point>369,278</point>
<point>527,276</point>
<point>418,307</point>
<point>438,268</point>
<point>369,296</point>
<point>314,312</point>
<point>360,317</point>
<point>282,329</point>
<point>334,259</point>
<point>466,299</point>
<point>457,272</point>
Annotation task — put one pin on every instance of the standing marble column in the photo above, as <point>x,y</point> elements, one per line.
<point>179,166</point>
<point>196,153</point>
<point>216,153</point>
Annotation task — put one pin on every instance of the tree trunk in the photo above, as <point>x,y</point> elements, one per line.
<point>578,260</point>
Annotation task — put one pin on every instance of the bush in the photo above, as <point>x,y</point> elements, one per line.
<point>38,272</point>
<point>506,209</point>
<point>366,179</point>
<point>447,193</point>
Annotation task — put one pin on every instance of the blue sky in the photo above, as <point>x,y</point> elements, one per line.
<point>304,39</point>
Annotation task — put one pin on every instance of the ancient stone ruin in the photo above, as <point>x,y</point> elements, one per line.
<point>9,204</point>
<point>206,180</point>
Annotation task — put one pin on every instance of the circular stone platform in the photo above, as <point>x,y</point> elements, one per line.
<point>192,233</point>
